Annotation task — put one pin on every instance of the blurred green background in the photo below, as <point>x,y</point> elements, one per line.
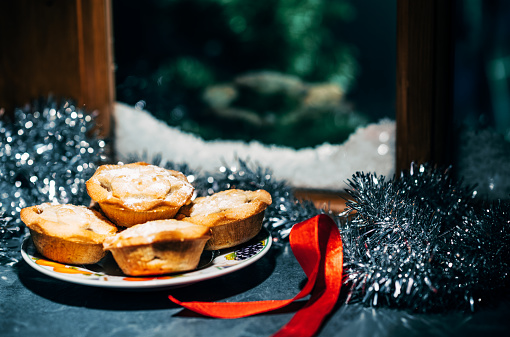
<point>284,72</point>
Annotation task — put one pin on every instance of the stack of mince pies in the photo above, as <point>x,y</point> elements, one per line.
<point>147,219</point>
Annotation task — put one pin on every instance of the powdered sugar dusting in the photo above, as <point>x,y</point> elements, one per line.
<point>135,185</point>
<point>74,217</point>
<point>149,229</point>
<point>218,203</point>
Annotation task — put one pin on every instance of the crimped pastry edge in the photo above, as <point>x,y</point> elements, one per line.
<point>100,195</point>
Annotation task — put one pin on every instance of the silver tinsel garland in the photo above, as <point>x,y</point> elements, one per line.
<point>47,152</point>
<point>422,242</point>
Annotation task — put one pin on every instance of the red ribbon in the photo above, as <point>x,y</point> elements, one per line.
<point>317,246</point>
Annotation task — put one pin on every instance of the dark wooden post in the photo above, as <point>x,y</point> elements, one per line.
<point>58,47</point>
<point>424,81</point>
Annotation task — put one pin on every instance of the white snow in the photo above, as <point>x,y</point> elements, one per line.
<point>324,167</point>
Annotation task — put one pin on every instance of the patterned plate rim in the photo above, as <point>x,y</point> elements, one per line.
<point>223,262</point>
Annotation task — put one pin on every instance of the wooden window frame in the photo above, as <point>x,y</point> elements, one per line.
<point>424,96</point>
<point>61,48</point>
<point>66,46</point>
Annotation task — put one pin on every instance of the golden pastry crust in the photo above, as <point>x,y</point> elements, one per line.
<point>134,193</point>
<point>67,233</point>
<point>158,247</point>
<point>234,216</point>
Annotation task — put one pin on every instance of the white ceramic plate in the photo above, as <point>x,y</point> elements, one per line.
<point>107,274</point>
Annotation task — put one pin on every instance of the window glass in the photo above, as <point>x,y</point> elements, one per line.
<point>296,73</point>
<point>482,96</point>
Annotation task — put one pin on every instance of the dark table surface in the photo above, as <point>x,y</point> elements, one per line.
<point>33,304</point>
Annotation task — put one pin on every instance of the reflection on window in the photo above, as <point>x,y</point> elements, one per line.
<point>482,96</point>
<point>296,73</point>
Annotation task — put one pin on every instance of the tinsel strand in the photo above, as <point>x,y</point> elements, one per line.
<point>424,243</point>
<point>47,152</point>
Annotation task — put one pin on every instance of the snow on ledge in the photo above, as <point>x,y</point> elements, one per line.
<point>324,167</point>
